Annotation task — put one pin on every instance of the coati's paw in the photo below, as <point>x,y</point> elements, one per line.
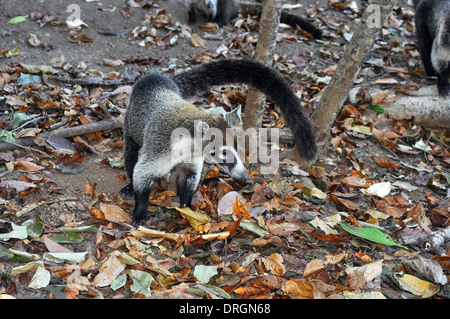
<point>127,191</point>
<point>139,217</point>
<point>444,90</point>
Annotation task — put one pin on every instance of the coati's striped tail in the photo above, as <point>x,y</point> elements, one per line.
<point>271,83</point>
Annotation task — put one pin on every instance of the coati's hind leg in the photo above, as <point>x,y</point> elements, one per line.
<point>188,177</point>
<point>192,14</point>
<point>130,159</point>
<point>425,42</point>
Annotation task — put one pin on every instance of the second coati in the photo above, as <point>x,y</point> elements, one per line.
<point>432,19</point>
<point>222,11</point>
<point>158,108</point>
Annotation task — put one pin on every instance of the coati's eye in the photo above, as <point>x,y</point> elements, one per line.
<point>224,152</point>
<point>213,152</point>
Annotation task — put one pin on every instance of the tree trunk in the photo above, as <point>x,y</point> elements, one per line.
<point>265,50</point>
<point>337,90</point>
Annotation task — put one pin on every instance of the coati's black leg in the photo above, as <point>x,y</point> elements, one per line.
<point>192,16</point>
<point>188,177</point>
<point>425,42</point>
<point>224,9</point>
<point>141,205</point>
<point>443,82</point>
<point>130,159</point>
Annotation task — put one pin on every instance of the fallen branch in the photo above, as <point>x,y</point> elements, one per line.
<point>424,105</point>
<point>108,124</point>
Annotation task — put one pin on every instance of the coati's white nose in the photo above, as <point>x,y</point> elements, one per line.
<point>240,174</point>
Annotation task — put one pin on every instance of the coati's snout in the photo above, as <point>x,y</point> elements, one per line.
<point>228,160</point>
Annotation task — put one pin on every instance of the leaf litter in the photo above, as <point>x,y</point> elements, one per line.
<point>370,220</point>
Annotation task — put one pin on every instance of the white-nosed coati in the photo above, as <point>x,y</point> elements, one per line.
<point>222,11</point>
<point>158,108</point>
<point>432,21</point>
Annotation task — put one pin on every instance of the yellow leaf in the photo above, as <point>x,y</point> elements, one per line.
<point>418,286</point>
<point>146,232</point>
<point>195,218</point>
<point>216,236</point>
<point>315,192</point>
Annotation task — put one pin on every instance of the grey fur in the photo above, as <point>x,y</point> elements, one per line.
<point>222,11</point>
<point>432,21</point>
<point>157,109</point>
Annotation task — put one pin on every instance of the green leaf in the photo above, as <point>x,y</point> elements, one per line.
<point>141,282</point>
<point>67,238</point>
<point>378,109</point>
<point>17,232</point>
<point>119,282</point>
<point>116,162</point>
<point>394,31</point>
<point>90,229</point>
<point>7,136</point>
<point>371,234</point>
<point>253,227</point>
<point>20,117</point>
<point>17,19</point>
<point>65,257</point>
<point>204,273</point>
<point>28,78</point>
<point>40,279</point>
<point>34,226</point>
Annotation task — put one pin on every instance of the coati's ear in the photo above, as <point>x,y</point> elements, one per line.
<point>201,127</point>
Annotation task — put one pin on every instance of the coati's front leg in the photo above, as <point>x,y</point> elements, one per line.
<point>141,204</point>
<point>143,179</point>
<point>188,177</point>
<point>443,82</point>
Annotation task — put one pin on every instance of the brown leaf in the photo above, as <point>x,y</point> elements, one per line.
<point>345,202</point>
<point>114,213</point>
<point>313,267</point>
<point>387,138</point>
<point>260,242</point>
<point>49,105</point>
<point>377,99</point>
<point>54,247</point>
<point>391,208</point>
<point>356,180</point>
<point>28,166</point>
<point>196,41</point>
<point>81,37</point>
<point>303,288</point>
<point>385,163</point>
<point>274,263</point>
<point>33,40</point>
<point>240,211</point>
